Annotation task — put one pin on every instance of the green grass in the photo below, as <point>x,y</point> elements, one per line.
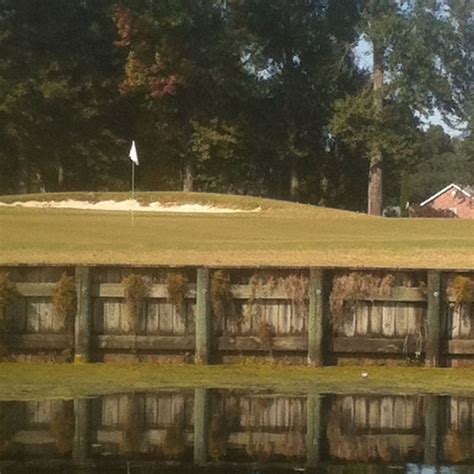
<point>283,234</point>
<point>20,381</point>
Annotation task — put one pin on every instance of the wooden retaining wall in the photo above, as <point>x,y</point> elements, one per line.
<point>216,426</point>
<point>282,314</point>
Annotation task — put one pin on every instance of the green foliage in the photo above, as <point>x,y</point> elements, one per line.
<point>136,290</point>
<point>177,286</point>
<point>8,295</point>
<point>64,301</point>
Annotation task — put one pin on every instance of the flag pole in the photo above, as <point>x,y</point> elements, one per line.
<point>133,180</point>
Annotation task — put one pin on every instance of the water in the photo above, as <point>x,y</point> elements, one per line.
<point>208,431</point>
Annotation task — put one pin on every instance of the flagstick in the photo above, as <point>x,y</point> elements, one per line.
<point>133,180</point>
<point>133,193</point>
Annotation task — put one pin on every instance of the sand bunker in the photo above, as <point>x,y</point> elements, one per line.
<point>127,205</point>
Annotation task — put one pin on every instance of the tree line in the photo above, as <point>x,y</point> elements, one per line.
<point>260,97</point>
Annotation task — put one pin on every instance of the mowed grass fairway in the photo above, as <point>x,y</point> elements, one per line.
<point>282,234</point>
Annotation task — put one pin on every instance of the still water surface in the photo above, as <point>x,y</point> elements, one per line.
<point>211,430</point>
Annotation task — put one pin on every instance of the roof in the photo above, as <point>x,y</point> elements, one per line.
<point>468,191</point>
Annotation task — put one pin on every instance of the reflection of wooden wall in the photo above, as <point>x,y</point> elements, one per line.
<point>259,427</point>
<point>458,436</point>
<point>159,424</point>
<point>375,428</point>
<point>40,428</point>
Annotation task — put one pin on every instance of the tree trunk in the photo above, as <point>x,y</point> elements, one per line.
<point>375,190</point>
<point>23,180</point>
<point>60,176</point>
<point>188,181</point>
<point>294,182</point>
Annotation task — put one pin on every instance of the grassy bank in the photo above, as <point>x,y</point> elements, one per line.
<point>281,234</point>
<point>39,381</point>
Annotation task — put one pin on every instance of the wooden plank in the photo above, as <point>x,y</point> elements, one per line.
<point>461,346</point>
<point>431,431</point>
<point>465,321</point>
<point>201,425</point>
<point>401,319</point>
<point>315,318</point>
<point>376,319</point>
<point>244,292</point>
<point>388,320</point>
<point>253,343</point>
<point>39,341</point>
<point>45,313</point>
<point>115,290</point>
<point>81,441</point>
<point>82,327</point>
<point>360,412</point>
<point>313,430</point>
<point>386,413</point>
<point>433,319</point>
<point>374,413</point>
<point>455,316</point>
<point>372,345</point>
<point>203,317</point>
<point>156,343</point>
<point>33,315</point>
<point>362,319</point>
<point>349,324</point>
<point>35,289</point>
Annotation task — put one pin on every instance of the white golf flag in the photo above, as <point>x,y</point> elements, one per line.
<point>133,153</point>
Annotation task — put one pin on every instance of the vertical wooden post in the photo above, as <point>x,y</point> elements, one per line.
<point>313,430</point>
<point>82,327</point>
<point>433,319</point>
<point>203,322</point>
<point>81,431</point>
<point>315,318</point>
<point>201,417</point>
<point>431,431</point>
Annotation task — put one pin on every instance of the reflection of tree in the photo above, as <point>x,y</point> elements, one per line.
<point>175,438</point>
<point>265,440</point>
<point>62,427</point>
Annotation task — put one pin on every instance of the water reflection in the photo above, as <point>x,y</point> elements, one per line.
<point>220,430</point>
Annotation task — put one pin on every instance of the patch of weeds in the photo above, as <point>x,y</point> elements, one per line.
<point>221,295</point>
<point>263,285</point>
<point>350,289</point>
<point>177,286</point>
<point>136,291</point>
<point>64,301</point>
<point>265,333</point>
<point>8,295</point>
<point>461,290</point>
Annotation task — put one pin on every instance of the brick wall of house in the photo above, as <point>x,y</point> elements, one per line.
<point>456,201</point>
